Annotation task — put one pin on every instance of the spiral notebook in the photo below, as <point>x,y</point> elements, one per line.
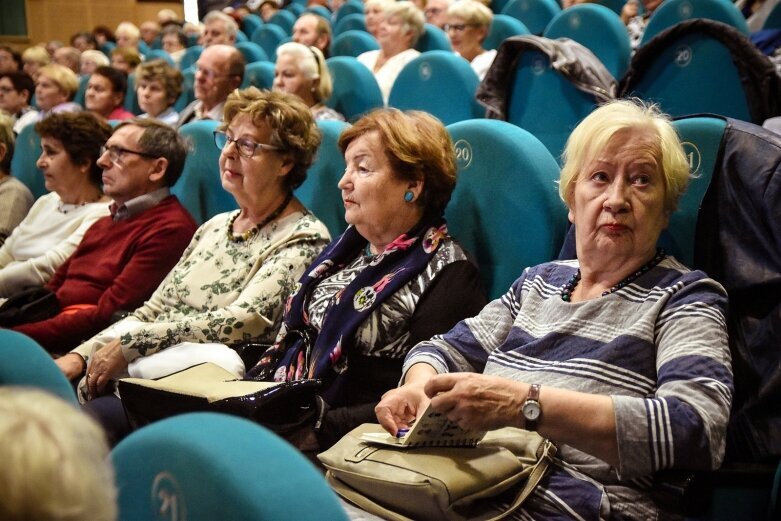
<point>431,429</point>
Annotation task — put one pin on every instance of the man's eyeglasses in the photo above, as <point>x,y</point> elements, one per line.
<point>246,147</point>
<point>115,153</point>
<point>457,27</point>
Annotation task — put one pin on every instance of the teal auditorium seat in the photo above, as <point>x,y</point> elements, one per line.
<point>773,20</point>
<point>351,22</point>
<point>269,37</point>
<point>348,8</point>
<point>598,29</point>
<point>79,96</point>
<point>190,56</point>
<point>320,192</point>
<point>252,52</point>
<point>502,27</point>
<point>241,36</point>
<point>505,209</point>
<point>26,363</point>
<point>534,14</point>
<point>433,39</point>
<point>250,23</point>
<point>258,74</point>
<point>295,8</point>
<point>535,83</point>
<point>188,95</point>
<point>671,12</point>
<point>440,83</point>
<point>27,150</point>
<point>283,19</point>
<point>319,10</point>
<point>688,71</point>
<point>701,137</point>
<point>159,54</point>
<point>200,189</point>
<point>143,48</point>
<point>131,97</point>
<point>353,43</point>
<point>206,466</point>
<point>355,90</point>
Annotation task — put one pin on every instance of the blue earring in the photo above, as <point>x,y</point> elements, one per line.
<point>409,196</point>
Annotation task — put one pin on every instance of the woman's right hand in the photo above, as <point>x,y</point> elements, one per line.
<point>400,406</point>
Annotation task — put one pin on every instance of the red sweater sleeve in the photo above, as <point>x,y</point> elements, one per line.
<point>144,252</point>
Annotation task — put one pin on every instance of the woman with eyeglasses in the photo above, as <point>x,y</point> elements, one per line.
<point>230,284</point>
<point>397,34</point>
<point>301,70</point>
<point>55,224</point>
<point>468,22</point>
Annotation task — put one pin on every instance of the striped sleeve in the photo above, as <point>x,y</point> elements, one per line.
<point>682,424</point>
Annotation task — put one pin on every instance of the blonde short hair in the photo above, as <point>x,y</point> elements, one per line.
<point>37,54</point>
<point>97,57</point>
<point>412,18</point>
<point>312,63</point>
<point>594,133</point>
<point>128,29</point>
<point>472,12</point>
<point>65,78</point>
<point>55,460</point>
<point>6,138</point>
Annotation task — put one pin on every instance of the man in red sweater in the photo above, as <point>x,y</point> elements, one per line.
<point>123,257</point>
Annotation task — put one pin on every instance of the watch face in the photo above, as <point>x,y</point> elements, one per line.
<point>531,411</point>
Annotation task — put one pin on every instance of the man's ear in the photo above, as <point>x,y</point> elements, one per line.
<point>159,167</point>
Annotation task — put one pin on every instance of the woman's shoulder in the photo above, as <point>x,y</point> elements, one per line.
<point>323,113</point>
<point>674,276</point>
<point>12,187</point>
<point>303,224</point>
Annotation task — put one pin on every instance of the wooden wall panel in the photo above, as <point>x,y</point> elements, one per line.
<point>59,19</point>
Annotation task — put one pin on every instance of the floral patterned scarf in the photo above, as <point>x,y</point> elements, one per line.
<point>303,353</point>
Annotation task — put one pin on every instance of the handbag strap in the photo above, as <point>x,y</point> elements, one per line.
<point>538,471</point>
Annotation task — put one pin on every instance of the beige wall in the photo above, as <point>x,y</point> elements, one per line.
<point>59,19</point>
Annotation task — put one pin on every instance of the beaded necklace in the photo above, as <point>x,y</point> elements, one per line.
<point>569,287</point>
<point>255,229</point>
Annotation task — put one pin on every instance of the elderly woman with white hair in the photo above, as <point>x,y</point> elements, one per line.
<point>301,70</point>
<point>398,32</point>
<point>91,60</point>
<point>468,22</point>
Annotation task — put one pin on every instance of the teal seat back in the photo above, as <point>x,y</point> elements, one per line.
<point>433,39</point>
<point>258,74</point>
<point>26,363</point>
<point>269,37</point>
<point>159,54</point>
<point>284,20</point>
<point>351,22</point>
<point>353,43</point>
<point>505,209</point>
<point>355,90</point>
<point>82,90</point>
<point>701,137</point>
<point>27,150</point>
<point>773,20</point>
<point>241,36</point>
<point>320,192</point>
<point>199,188</point>
<point>693,73</point>
<point>534,14</point>
<point>502,27</point>
<point>295,8</point>
<point>348,8</point>
<point>250,23</point>
<point>131,97</point>
<point>206,466</point>
<point>671,12</point>
<point>252,52</point>
<point>535,83</point>
<point>600,30</point>
<point>498,5</point>
<point>143,48</point>
<point>188,94</point>
<point>440,83</point>
<point>319,10</point>
<point>190,56</point>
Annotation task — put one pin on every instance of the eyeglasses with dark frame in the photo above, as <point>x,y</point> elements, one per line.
<point>115,153</point>
<point>246,147</point>
<point>457,27</point>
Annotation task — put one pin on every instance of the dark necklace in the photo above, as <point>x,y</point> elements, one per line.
<point>569,287</point>
<point>255,229</point>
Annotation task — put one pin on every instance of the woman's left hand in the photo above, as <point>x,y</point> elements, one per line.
<point>477,401</point>
<point>104,366</point>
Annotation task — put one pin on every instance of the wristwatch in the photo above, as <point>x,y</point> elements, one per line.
<point>531,408</point>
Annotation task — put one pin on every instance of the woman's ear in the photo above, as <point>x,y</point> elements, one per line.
<point>416,187</point>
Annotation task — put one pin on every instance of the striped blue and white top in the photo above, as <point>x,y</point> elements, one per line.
<point>658,347</point>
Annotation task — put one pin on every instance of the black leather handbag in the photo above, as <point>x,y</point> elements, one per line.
<point>30,305</point>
